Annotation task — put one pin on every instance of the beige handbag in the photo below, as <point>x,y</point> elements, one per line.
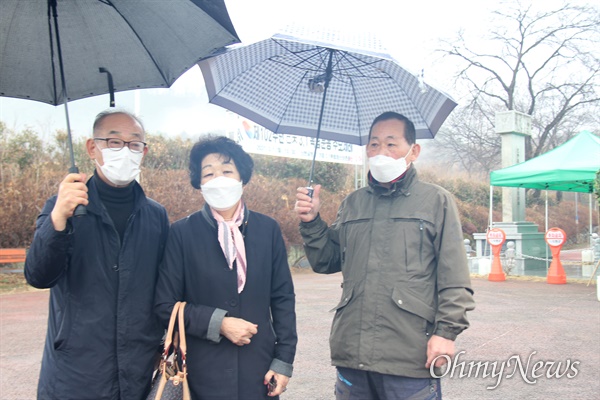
<point>170,382</point>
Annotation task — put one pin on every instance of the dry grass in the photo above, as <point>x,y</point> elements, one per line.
<point>12,282</point>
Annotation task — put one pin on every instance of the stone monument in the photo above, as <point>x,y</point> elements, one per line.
<point>515,127</point>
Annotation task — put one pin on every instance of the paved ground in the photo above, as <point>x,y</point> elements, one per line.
<point>525,319</point>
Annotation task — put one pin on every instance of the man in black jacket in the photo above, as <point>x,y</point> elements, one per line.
<point>101,268</point>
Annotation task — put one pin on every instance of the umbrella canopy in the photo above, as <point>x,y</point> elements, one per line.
<point>103,46</point>
<point>141,43</point>
<point>570,167</point>
<point>321,84</point>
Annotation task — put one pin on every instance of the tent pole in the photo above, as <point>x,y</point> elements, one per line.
<point>576,218</point>
<point>491,205</point>
<point>491,221</point>
<point>546,226</point>
<point>546,231</point>
<point>591,215</point>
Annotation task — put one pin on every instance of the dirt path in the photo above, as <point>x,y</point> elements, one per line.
<point>560,323</point>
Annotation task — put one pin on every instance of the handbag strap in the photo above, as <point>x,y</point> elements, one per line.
<point>182,342</point>
<point>171,328</point>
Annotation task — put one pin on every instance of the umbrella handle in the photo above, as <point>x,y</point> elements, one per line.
<point>311,190</point>
<point>80,210</point>
<point>111,87</point>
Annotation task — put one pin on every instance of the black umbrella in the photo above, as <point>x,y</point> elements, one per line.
<point>93,47</point>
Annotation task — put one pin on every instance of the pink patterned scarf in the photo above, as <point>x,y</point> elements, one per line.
<point>232,242</point>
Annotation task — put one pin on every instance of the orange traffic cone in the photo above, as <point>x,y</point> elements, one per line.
<point>556,272</point>
<point>556,237</point>
<point>496,238</point>
<point>496,273</point>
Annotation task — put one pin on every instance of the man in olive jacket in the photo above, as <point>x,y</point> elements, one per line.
<point>102,267</point>
<point>406,286</point>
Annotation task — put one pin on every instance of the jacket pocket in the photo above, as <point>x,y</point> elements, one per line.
<point>415,243</point>
<point>64,329</point>
<point>345,333</point>
<point>346,297</point>
<point>273,330</point>
<point>408,301</point>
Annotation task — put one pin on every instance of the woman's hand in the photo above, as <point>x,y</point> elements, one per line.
<point>237,330</point>
<point>280,381</point>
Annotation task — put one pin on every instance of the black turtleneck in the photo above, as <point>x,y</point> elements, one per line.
<point>118,202</point>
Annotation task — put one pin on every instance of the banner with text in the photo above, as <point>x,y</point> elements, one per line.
<point>258,140</point>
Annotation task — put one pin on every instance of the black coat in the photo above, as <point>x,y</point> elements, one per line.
<point>195,270</point>
<point>102,334</point>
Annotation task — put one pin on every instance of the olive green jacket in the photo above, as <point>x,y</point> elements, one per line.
<point>405,274</point>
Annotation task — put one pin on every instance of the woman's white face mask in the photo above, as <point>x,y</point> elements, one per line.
<point>385,169</point>
<point>222,193</point>
<point>120,167</point>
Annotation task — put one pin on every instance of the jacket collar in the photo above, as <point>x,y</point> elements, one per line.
<point>95,205</point>
<point>208,217</point>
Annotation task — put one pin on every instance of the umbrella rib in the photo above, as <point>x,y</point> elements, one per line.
<point>322,52</point>
<point>315,66</point>
<point>350,59</point>
<point>50,35</point>
<point>316,51</point>
<point>340,70</point>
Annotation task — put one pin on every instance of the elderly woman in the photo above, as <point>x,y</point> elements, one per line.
<point>230,265</point>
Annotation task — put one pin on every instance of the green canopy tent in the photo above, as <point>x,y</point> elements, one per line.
<point>570,167</point>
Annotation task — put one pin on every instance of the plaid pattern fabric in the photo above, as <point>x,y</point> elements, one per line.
<point>268,83</point>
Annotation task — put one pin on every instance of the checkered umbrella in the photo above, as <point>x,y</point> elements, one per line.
<point>321,84</point>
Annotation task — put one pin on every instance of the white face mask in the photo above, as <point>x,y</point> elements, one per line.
<point>120,167</point>
<point>222,193</point>
<point>385,169</point>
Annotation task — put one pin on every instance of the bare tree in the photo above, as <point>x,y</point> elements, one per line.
<point>543,63</point>
<point>467,140</point>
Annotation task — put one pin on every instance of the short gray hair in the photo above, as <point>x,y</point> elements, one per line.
<point>101,116</point>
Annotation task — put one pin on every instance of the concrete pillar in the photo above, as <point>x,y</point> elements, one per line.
<point>514,127</point>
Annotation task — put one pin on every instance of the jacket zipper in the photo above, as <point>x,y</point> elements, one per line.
<point>421,243</point>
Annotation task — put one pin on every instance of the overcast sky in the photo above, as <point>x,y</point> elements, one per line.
<point>410,30</point>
